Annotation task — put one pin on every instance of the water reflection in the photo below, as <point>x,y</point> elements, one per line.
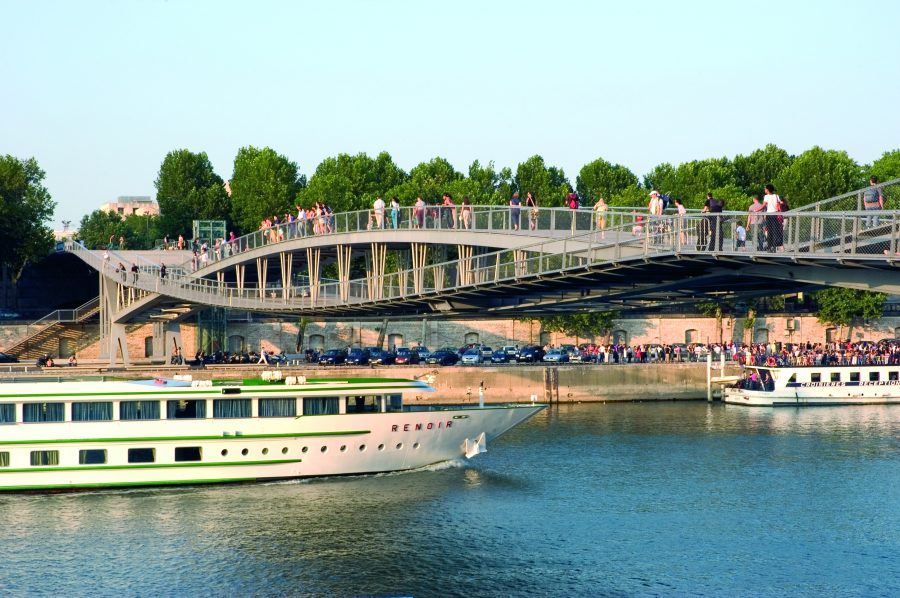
<point>581,500</point>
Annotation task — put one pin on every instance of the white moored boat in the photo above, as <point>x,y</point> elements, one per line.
<point>81,435</point>
<point>776,386</point>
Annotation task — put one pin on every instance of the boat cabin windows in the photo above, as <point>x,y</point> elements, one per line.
<point>394,403</point>
<point>180,409</point>
<point>7,413</point>
<point>277,407</point>
<point>92,412</point>
<point>43,412</point>
<point>91,457</point>
<point>874,377</point>
<point>364,404</point>
<point>835,376</point>
<point>320,406</point>
<point>854,376</point>
<point>4,458</point>
<point>187,453</point>
<point>893,375</point>
<point>138,410</point>
<point>141,455</point>
<point>45,457</point>
<point>228,408</point>
<point>815,377</point>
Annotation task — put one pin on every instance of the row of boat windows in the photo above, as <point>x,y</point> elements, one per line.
<point>193,409</point>
<point>853,377</point>
<point>183,454</point>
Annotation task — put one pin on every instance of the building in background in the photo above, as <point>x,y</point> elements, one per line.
<point>126,205</point>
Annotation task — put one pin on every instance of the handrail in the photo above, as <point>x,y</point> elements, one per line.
<point>835,235</point>
<point>856,194</point>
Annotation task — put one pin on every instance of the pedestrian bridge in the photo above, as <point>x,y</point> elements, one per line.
<point>439,268</point>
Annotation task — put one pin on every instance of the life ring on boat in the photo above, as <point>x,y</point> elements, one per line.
<point>770,362</point>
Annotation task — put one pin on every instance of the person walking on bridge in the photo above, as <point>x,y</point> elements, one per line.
<point>378,208</point>
<point>774,230</point>
<point>395,212</point>
<point>755,223</point>
<point>515,207</point>
<point>873,199</point>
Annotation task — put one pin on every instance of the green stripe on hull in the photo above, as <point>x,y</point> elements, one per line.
<point>149,466</point>
<point>181,438</point>
<point>50,487</point>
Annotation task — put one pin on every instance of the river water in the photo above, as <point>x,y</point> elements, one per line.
<point>650,498</point>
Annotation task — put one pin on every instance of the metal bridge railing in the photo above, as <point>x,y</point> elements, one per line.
<point>858,235</point>
<point>853,200</point>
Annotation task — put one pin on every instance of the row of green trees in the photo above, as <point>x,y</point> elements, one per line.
<point>25,211</point>
<point>265,183</point>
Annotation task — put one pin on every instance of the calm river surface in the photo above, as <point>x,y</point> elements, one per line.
<point>664,498</point>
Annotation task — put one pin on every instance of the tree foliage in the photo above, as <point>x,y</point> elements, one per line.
<point>818,174</point>
<point>580,324</point>
<point>428,180</point>
<point>138,231</point>
<point>187,189</point>
<point>691,181</point>
<point>603,179</point>
<point>264,184</point>
<point>548,183</point>
<point>759,168</point>
<point>886,167</point>
<point>347,182</point>
<point>25,209</point>
<point>840,306</point>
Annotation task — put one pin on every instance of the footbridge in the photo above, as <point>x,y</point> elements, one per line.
<point>438,266</point>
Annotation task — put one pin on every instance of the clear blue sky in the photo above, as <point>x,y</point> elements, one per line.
<point>98,92</point>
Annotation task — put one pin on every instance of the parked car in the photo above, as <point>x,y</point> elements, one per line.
<point>556,356</point>
<point>333,357</point>
<point>443,356</point>
<point>472,357</point>
<point>511,351</point>
<point>381,357</point>
<point>485,351</point>
<point>407,356</point>
<point>501,356</point>
<point>530,354</point>
<point>358,356</point>
<point>7,358</point>
<point>422,351</point>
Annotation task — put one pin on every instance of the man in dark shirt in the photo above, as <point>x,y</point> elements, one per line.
<point>714,207</point>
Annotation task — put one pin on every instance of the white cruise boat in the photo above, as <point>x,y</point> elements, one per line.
<point>57,436</point>
<point>776,386</point>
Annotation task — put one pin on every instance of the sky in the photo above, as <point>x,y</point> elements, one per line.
<point>99,92</point>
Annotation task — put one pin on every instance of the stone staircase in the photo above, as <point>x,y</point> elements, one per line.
<point>56,330</point>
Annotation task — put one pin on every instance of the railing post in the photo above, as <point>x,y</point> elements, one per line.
<point>855,234</point>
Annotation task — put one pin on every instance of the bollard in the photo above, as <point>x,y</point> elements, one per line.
<point>709,377</point>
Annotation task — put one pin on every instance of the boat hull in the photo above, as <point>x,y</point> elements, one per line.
<point>257,450</point>
<point>803,399</point>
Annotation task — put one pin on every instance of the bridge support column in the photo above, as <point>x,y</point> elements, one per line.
<point>287,266</point>
<point>262,267</point>
<point>375,270</point>
<point>419,254</point>
<point>343,262</point>
<point>403,267</point>
<point>239,271</point>
<point>521,263</point>
<point>118,343</point>
<point>313,259</point>
<point>464,273</point>
<point>440,269</point>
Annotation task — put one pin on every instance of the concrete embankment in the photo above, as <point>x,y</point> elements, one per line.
<point>576,383</point>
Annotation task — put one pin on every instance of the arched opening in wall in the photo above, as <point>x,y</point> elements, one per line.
<point>66,347</point>
<point>691,335</point>
<point>761,336</point>
<point>471,338</point>
<point>236,344</point>
<point>316,342</point>
<point>148,346</point>
<point>897,332</point>
<point>394,341</point>
<point>620,337</point>
<point>544,339</point>
<point>831,335</point>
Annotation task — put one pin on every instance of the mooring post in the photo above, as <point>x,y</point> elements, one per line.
<point>709,377</point>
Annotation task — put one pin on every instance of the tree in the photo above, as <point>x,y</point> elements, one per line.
<point>428,180</point>
<point>632,196</point>
<point>840,306</point>
<point>579,325</point>
<point>818,174</point>
<point>548,183</point>
<point>886,167</point>
<point>347,182</point>
<point>760,168</point>
<point>602,179</point>
<point>25,209</point>
<point>187,189</point>
<point>264,184</point>
<point>138,231</point>
<point>691,181</point>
